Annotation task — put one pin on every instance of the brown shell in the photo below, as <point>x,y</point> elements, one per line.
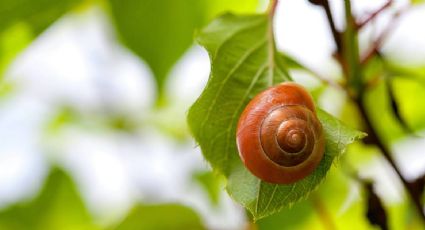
<point>279,137</point>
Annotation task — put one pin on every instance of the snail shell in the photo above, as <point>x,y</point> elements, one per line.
<point>279,137</point>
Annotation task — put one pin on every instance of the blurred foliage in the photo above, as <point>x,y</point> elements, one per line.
<point>417,1</point>
<point>57,206</point>
<point>13,40</point>
<point>389,98</point>
<point>152,21</point>
<point>405,89</point>
<point>161,217</point>
<point>327,208</point>
<point>340,203</point>
<point>22,20</point>
<point>38,14</point>
<point>64,116</point>
<point>166,27</point>
<point>213,8</point>
<point>103,121</point>
<point>379,107</point>
<point>174,126</point>
<point>211,183</point>
<point>5,89</point>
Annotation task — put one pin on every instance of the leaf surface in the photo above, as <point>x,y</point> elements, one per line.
<point>244,62</point>
<point>263,198</point>
<point>242,66</point>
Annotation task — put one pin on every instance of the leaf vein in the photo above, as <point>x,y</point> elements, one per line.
<point>231,72</point>
<point>272,196</point>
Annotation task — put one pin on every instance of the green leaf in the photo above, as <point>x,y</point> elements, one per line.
<point>12,41</point>
<point>37,13</point>
<point>264,199</point>
<point>63,116</point>
<point>242,67</point>
<point>296,217</point>
<point>379,109</point>
<point>244,62</point>
<point>292,63</point>
<point>407,82</point>
<point>161,217</point>
<point>58,206</point>
<point>159,31</point>
<point>217,7</point>
<point>22,20</point>
<point>413,111</point>
<point>395,106</point>
<point>414,73</point>
<point>211,184</point>
<point>417,2</point>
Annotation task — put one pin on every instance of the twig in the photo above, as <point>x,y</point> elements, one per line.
<point>374,14</point>
<point>358,100</point>
<point>377,44</point>
<point>272,8</point>
<point>386,153</point>
<point>324,80</point>
<point>271,44</point>
<point>335,33</point>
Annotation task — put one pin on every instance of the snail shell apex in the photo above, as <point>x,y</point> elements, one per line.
<point>279,137</point>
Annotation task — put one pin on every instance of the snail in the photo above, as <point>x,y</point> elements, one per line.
<point>279,137</point>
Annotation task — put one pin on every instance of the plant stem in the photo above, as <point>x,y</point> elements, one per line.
<point>271,45</point>
<point>354,73</point>
<point>272,8</point>
<point>350,58</point>
<point>377,44</point>
<point>387,155</point>
<point>335,33</point>
<point>374,14</point>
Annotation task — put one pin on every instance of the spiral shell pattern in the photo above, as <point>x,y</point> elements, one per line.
<point>279,137</point>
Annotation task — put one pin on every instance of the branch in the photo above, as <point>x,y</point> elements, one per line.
<point>335,33</point>
<point>272,8</point>
<point>325,81</point>
<point>353,69</point>
<point>372,16</point>
<point>387,155</point>
<point>377,44</point>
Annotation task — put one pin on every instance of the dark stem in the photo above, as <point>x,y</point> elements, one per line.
<point>377,44</point>
<point>353,70</point>
<point>335,33</point>
<point>272,8</point>
<point>386,153</point>
<point>374,14</point>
